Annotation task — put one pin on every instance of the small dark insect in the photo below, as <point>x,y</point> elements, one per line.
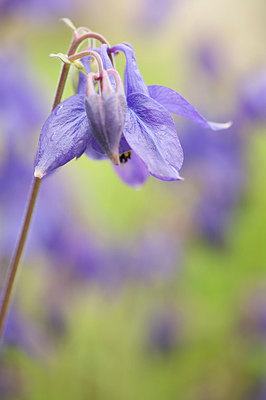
<point>124,157</point>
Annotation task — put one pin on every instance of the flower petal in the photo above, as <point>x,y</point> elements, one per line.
<point>134,172</point>
<point>82,77</point>
<point>106,116</point>
<point>107,64</point>
<point>176,104</point>
<point>95,151</point>
<point>64,135</point>
<point>150,132</point>
<point>133,80</point>
<point>103,51</point>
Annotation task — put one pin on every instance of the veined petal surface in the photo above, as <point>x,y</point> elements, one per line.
<point>64,136</point>
<point>150,131</point>
<point>133,80</point>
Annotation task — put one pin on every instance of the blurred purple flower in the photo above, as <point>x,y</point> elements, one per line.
<point>15,180</point>
<point>53,230</point>
<point>149,129</point>
<point>253,316</point>
<point>257,391</point>
<point>152,14</point>
<point>20,333</point>
<point>217,163</point>
<point>143,260</point>
<point>40,9</point>
<point>151,257</point>
<point>21,106</point>
<point>163,332</point>
<point>252,97</point>
<point>207,54</point>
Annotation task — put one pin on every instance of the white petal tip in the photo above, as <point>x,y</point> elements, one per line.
<point>38,173</point>
<point>228,124</point>
<point>217,126</point>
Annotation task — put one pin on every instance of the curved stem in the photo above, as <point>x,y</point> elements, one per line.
<point>65,68</point>
<point>88,53</point>
<point>18,252</point>
<point>89,35</point>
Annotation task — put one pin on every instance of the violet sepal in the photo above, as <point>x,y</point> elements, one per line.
<point>150,131</point>
<point>177,104</point>
<point>64,136</point>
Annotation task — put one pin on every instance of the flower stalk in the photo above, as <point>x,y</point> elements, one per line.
<point>17,254</point>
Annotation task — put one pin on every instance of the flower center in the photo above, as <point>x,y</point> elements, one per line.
<point>124,157</point>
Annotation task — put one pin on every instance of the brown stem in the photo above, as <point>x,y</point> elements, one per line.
<point>88,53</point>
<point>65,68</point>
<point>18,252</point>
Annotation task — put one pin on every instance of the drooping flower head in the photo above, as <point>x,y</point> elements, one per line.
<point>140,130</point>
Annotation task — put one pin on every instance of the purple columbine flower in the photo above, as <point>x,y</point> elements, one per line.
<point>149,129</point>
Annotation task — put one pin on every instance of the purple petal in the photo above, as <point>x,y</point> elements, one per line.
<point>106,115</point>
<point>176,104</point>
<point>96,152</point>
<point>133,80</point>
<point>82,77</point>
<point>150,132</point>
<point>64,135</point>
<point>134,172</point>
<point>103,51</point>
<point>107,64</point>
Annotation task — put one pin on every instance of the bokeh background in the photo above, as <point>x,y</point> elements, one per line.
<point>157,293</point>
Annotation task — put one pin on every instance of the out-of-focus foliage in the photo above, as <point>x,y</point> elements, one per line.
<point>150,294</point>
